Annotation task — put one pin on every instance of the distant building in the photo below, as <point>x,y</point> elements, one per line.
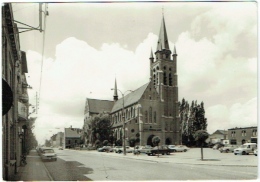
<point>218,136</point>
<point>239,136</point>
<point>150,110</point>
<point>72,137</point>
<point>59,139</point>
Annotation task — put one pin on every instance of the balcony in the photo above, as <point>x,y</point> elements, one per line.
<point>22,112</point>
<point>24,97</point>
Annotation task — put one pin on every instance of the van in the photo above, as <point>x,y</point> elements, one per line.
<point>246,148</point>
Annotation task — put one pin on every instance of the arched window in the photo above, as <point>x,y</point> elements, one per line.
<point>170,79</point>
<point>150,115</point>
<point>164,78</point>
<point>146,116</point>
<point>154,116</point>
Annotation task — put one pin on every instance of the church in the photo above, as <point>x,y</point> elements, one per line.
<point>151,110</point>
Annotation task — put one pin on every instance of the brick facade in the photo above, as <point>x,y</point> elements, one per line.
<point>239,136</point>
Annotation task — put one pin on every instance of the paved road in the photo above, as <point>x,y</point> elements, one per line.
<point>90,165</point>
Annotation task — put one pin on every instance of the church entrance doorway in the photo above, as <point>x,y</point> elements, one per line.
<point>149,140</point>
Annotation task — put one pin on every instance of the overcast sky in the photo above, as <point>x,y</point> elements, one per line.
<point>87,45</point>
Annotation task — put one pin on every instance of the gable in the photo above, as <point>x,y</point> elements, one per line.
<point>97,106</point>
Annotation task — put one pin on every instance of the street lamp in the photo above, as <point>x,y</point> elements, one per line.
<point>123,96</point>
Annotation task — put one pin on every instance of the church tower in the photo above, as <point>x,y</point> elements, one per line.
<point>164,77</point>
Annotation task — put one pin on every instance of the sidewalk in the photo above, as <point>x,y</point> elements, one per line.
<point>34,170</point>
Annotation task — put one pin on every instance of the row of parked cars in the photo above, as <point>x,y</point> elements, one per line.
<point>244,149</point>
<point>147,149</point>
<point>46,153</point>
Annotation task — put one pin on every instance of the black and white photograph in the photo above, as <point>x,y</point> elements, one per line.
<point>129,90</point>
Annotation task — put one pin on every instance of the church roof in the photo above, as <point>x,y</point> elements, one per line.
<point>163,39</point>
<point>72,132</point>
<point>223,132</point>
<point>130,98</point>
<point>97,106</point>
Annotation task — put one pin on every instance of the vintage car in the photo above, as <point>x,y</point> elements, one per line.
<point>48,154</point>
<point>159,150</point>
<point>228,148</point>
<point>178,148</point>
<point>105,149</point>
<point>142,149</point>
<point>128,149</point>
<point>246,149</point>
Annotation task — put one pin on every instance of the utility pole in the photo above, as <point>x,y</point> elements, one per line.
<point>124,118</point>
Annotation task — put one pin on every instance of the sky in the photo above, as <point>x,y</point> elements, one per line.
<point>88,45</point>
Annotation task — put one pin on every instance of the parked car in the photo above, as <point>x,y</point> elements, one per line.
<point>217,146</point>
<point>128,149</point>
<point>170,146</point>
<point>142,149</point>
<point>255,152</point>
<point>228,148</point>
<point>246,149</point>
<point>178,148</point>
<point>48,154</point>
<point>105,149</point>
<point>60,148</point>
<point>159,150</point>
<point>117,148</point>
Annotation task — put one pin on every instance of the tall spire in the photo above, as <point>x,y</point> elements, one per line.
<point>174,53</point>
<point>115,92</point>
<point>151,56</point>
<point>163,39</point>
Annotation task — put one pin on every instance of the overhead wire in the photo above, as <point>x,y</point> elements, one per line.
<point>43,46</point>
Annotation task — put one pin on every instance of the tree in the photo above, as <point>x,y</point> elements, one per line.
<point>119,142</point>
<point>47,143</point>
<point>156,140</point>
<point>192,118</point>
<point>200,120</point>
<point>184,117</point>
<point>31,141</point>
<point>105,142</point>
<point>132,141</point>
<point>200,137</point>
<point>97,144</point>
<point>100,127</point>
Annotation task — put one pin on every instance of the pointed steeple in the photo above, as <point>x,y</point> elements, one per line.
<point>151,56</point>
<point>174,53</point>
<point>115,92</point>
<point>163,39</point>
